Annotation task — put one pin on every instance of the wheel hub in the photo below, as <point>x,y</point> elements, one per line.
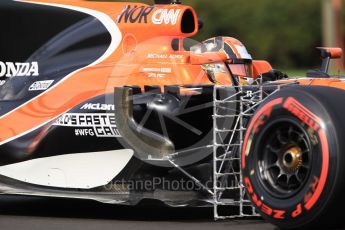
<point>292,159</point>
<point>285,160</point>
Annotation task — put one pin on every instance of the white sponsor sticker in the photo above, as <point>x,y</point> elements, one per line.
<point>165,56</point>
<point>156,75</point>
<point>158,70</point>
<point>13,69</point>
<point>90,124</point>
<point>165,16</point>
<point>41,85</point>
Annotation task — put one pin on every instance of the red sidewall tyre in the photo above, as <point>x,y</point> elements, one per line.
<point>303,189</point>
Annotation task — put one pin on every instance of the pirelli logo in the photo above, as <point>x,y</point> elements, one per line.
<point>303,113</point>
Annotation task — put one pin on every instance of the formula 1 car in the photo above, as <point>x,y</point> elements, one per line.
<point>124,107</point>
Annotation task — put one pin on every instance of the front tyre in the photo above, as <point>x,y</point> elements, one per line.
<point>293,158</point>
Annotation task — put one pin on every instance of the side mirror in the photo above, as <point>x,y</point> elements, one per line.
<point>328,53</point>
<point>207,58</point>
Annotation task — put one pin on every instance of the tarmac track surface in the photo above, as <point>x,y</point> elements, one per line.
<point>61,214</point>
<point>56,214</point>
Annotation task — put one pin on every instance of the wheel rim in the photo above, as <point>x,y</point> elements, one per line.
<point>285,158</point>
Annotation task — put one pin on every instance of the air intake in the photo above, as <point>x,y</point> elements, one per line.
<point>167,2</point>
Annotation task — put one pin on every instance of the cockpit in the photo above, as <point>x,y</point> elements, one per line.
<point>223,58</point>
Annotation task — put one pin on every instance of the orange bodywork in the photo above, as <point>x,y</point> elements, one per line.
<point>328,82</point>
<point>118,69</point>
<point>260,67</point>
<point>143,55</point>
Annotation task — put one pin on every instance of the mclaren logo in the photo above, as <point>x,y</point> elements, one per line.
<point>98,106</point>
<point>11,69</point>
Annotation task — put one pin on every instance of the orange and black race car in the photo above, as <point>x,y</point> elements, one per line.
<point>124,107</point>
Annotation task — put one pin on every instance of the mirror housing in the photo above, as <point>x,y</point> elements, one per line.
<point>328,53</point>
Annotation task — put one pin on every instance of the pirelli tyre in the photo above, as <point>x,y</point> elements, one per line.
<point>294,158</point>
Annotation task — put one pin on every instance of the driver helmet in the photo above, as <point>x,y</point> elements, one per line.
<point>239,60</point>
